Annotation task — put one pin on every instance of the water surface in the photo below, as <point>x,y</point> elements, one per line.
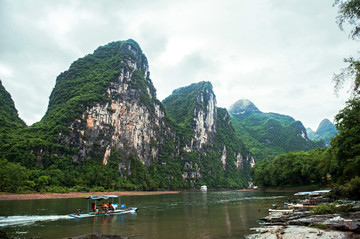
<point>221,214</point>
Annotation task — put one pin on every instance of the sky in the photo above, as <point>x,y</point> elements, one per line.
<point>279,54</point>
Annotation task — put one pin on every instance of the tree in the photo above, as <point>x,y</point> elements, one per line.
<point>346,145</point>
<point>349,12</point>
<point>13,176</point>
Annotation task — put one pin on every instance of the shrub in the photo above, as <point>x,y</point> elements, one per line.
<point>331,208</point>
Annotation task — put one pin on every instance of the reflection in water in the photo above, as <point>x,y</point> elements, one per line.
<point>227,221</point>
<point>226,214</point>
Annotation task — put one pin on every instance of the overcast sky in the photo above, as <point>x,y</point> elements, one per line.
<point>280,54</point>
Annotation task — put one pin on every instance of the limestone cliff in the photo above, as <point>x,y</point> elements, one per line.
<point>103,110</point>
<point>129,119</point>
<point>208,136</point>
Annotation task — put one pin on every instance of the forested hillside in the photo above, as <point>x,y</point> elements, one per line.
<point>9,118</point>
<point>268,134</point>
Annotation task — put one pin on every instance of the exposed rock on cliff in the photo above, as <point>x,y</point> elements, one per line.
<point>132,122</point>
<point>207,139</point>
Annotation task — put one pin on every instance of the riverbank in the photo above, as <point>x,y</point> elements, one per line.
<point>305,224</point>
<point>34,196</point>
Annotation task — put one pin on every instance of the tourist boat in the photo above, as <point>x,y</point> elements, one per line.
<point>103,209</point>
<point>203,188</point>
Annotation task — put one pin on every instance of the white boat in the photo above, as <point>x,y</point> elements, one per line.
<point>203,188</point>
<point>281,210</point>
<point>104,209</point>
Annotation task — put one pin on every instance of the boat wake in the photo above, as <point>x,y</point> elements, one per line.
<point>28,220</point>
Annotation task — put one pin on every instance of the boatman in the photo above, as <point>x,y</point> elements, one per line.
<point>104,207</point>
<point>93,206</point>
<point>111,207</point>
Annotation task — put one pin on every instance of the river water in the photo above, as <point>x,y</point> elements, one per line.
<point>219,214</point>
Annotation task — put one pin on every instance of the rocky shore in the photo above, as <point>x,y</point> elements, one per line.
<point>303,224</point>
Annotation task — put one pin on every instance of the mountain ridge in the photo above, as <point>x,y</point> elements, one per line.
<point>104,127</point>
<point>269,134</point>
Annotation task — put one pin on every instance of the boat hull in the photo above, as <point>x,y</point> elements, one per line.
<point>116,212</point>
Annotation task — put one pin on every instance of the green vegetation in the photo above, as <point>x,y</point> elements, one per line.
<point>324,132</point>
<point>332,208</point>
<point>180,106</point>
<point>9,118</point>
<point>319,225</point>
<point>267,135</point>
<point>337,166</point>
<point>45,153</point>
<point>292,169</point>
<point>86,81</point>
<point>46,163</point>
<point>349,12</point>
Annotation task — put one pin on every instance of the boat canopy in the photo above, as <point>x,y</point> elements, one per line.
<point>101,197</point>
<point>312,193</point>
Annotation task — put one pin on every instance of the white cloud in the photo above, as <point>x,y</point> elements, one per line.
<point>279,54</point>
<point>5,71</point>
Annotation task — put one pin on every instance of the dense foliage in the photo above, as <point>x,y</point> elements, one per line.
<point>337,166</point>
<point>9,118</point>
<point>292,169</point>
<point>345,147</point>
<point>271,134</point>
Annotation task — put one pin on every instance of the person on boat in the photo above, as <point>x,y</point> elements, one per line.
<point>111,207</point>
<point>93,206</point>
<point>104,207</point>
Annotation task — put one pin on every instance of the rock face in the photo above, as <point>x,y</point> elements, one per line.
<point>195,107</point>
<point>208,132</point>
<point>205,119</point>
<point>290,232</point>
<point>126,122</point>
<point>302,224</point>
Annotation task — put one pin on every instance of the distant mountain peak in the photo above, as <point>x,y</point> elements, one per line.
<point>324,132</point>
<point>325,123</point>
<point>243,106</point>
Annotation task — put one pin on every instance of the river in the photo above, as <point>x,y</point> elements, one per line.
<point>214,214</point>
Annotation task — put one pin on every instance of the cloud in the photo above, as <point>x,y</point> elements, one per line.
<point>279,54</point>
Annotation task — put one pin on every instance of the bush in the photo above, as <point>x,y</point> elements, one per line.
<point>97,189</point>
<point>350,190</point>
<point>319,225</point>
<point>78,188</point>
<point>331,208</point>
